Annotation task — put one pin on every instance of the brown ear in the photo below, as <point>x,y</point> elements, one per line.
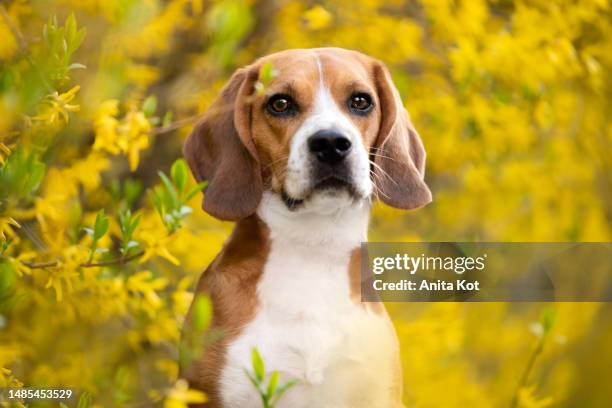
<point>221,151</point>
<point>398,152</point>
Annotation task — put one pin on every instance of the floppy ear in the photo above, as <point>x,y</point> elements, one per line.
<point>398,152</point>
<point>221,151</point>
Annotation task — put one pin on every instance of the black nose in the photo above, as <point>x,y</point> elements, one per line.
<point>329,146</point>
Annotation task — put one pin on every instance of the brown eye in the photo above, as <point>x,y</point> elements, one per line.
<point>281,105</point>
<point>360,103</point>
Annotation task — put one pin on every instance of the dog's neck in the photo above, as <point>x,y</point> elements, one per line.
<point>326,224</point>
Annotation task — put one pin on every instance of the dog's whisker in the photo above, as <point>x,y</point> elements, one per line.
<point>383,172</point>
<point>375,154</point>
<point>275,161</point>
<point>373,163</point>
<point>378,191</point>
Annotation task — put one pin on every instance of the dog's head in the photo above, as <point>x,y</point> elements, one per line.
<point>329,128</point>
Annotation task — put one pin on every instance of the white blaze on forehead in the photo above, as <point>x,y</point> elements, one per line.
<point>320,68</point>
<point>325,115</point>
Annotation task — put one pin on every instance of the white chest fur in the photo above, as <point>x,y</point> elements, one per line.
<point>307,327</point>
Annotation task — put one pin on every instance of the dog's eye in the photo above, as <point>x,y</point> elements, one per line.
<point>280,105</point>
<point>360,103</point>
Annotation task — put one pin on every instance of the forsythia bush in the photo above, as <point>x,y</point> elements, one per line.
<point>101,236</point>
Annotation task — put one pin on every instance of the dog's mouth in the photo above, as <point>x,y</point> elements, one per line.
<point>291,203</point>
<point>331,185</point>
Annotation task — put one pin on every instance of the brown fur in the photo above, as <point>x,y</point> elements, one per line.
<point>354,271</point>
<point>230,281</point>
<point>398,151</point>
<point>220,151</point>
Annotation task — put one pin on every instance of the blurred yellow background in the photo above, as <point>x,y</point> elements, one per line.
<point>512,101</point>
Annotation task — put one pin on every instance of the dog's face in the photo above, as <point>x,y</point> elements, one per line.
<point>315,125</point>
<point>329,129</point>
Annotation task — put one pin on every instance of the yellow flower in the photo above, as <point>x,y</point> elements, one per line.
<point>317,18</point>
<point>20,262</point>
<point>144,283</point>
<point>7,228</point>
<point>5,152</point>
<point>182,297</point>
<point>65,275</point>
<point>57,108</point>
<point>527,399</point>
<point>156,246</point>
<point>180,396</point>
<point>105,126</point>
<point>87,171</point>
<point>128,136</point>
<point>8,380</point>
<point>135,131</point>
<point>142,74</point>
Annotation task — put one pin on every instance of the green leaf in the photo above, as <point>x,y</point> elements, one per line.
<point>21,175</point>
<point>167,121</point>
<point>7,277</point>
<point>267,73</point>
<point>4,246</point>
<point>78,39</point>
<point>124,219</point>
<point>179,174</point>
<point>173,199</point>
<point>101,225</point>
<point>202,313</point>
<point>84,400</point>
<point>7,285</point>
<point>260,89</point>
<point>131,190</point>
<point>149,106</point>
<point>195,190</point>
<point>254,382</point>
<point>71,28</point>
<point>37,172</point>
<point>272,383</point>
<point>258,365</point>
<point>45,33</point>
<point>548,319</point>
<point>157,202</point>
<point>284,388</point>
<point>134,224</point>
<point>76,65</point>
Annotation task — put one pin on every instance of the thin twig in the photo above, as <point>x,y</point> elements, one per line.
<point>177,124</point>
<point>118,261</point>
<point>528,368</point>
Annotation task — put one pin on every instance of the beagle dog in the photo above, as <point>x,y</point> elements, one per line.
<point>296,162</point>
